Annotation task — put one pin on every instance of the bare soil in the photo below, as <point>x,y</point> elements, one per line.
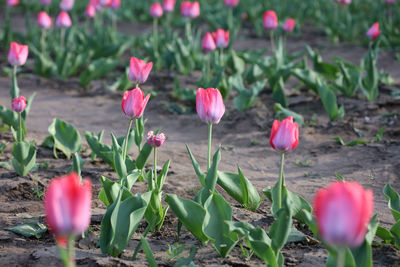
<point>244,140</point>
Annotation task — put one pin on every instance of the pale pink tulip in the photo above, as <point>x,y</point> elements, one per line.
<point>63,20</point>
<point>90,11</point>
<point>209,105</point>
<point>270,20</point>
<point>284,135</point>
<point>190,9</point>
<point>289,25</point>
<point>168,5</point>
<point>155,140</point>
<point>221,38</point>
<point>139,70</point>
<point>44,20</point>
<point>156,10</point>
<point>134,102</point>
<point>12,3</point>
<point>208,43</point>
<point>67,5</point>
<point>18,54</point>
<point>19,104</point>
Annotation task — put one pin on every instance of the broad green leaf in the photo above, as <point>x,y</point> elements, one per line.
<point>281,228</point>
<point>211,178</point>
<point>110,191</point>
<point>328,99</point>
<point>393,199</point>
<point>196,167</point>
<point>24,157</point>
<point>278,93</point>
<point>98,148</point>
<point>66,137</point>
<point>97,69</point>
<point>120,165</point>
<point>143,156</point>
<point>395,231</point>
<point>35,229</point>
<point>284,112</point>
<point>149,254</point>
<point>384,234</point>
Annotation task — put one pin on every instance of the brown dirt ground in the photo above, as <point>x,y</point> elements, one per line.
<point>244,139</point>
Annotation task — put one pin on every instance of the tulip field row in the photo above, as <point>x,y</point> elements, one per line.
<point>200,133</point>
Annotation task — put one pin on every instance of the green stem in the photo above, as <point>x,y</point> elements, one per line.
<point>271,35</point>
<point>137,132</point>
<point>20,127</point>
<point>62,37</point>
<point>230,19</point>
<point>209,145</point>
<point>155,167</point>
<point>126,140</point>
<point>341,257</point>
<point>43,40</point>
<point>14,91</point>
<point>221,55</point>
<point>155,37</point>
<point>71,251</point>
<point>146,231</point>
<point>281,181</point>
<point>208,67</point>
<point>189,31</point>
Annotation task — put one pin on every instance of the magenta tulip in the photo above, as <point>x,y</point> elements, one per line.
<point>12,3</point>
<point>374,31</point>
<point>231,3</point>
<point>45,2</point>
<point>289,25</point>
<point>156,10</point>
<point>67,5</point>
<point>134,102</point>
<point>208,43</point>
<point>390,1</point>
<point>90,11</point>
<point>190,9</point>
<point>44,20</point>
<point>67,205</point>
<point>343,211</point>
<point>19,104</point>
<point>115,4</point>
<point>63,20</point>
<point>284,135</point>
<point>155,140</point>
<point>168,5</point>
<point>209,105</point>
<point>139,70</point>
<point>221,38</point>
<point>18,54</point>
<point>270,20</point>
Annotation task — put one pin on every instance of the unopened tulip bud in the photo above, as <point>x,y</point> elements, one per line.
<point>67,5</point>
<point>231,3</point>
<point>45,2</point>
<point>44,20</point>
<point>18,54</point>
<point>289,25</point>
<point>156,10</point>
<point>90,11</point>
<point>208,43</point>
<point>374,31</point>
<point>168,5</point>
<point>63,20</point>
<point>134,102</point>
<point>270,20</point>
<point>221,38</point>
<point>190,9</point>
<point>12,3</point>
<point>19,104</point>
<point>115,4</point>
<point>139,70</point>
<point>155,140</point>
<point>284,135</point>
<point>209,105</point>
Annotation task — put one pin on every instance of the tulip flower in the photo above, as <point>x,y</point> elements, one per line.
<point>63,20</point>
<point>19,104</point>
<point>139,70</point>
<point>12,3</point>
<point>343,211</point>
<point>115,4</point>
<point>156,10</point>
<point>289,25</point>
<point>104,3</point>
<point>17,54</point>
<point>390,1</point>
<point>221,38</point>
<point>374,31</point>
<point>45,2</point>
<point>210,108</point>
<point>168,5</point>
<point>231,3</point>
<point>90,11</point>
<point>67,5</point>
<point>190,9</point>
<point>270,20</point>
<point>155,141</point>
<point>284,137</point>
<point>44,20</point>
<point>208,43</point>
<point>67,204</point>
<point>133,104</point>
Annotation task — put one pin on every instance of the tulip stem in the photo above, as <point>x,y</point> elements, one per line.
<point>138,133</point>
<point>14,91</point>
<point>189,31</point>
<point>281,181</point>
<point>155,166</point>
<point>71,251</point>
<point>208,67</point>
<point>271,35</point>
<point>62,37</point>
<point>126,140</point>
<point>221,56</point>
<point>20,127</point>
<point>42,40</point>
<point>155,37</point>
<point>230,19</point>
<point>146,231</point>
<point>341,257</point>
<point>209,145</point>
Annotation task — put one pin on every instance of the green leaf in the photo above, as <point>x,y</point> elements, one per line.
<point>384,234</point>
<point>351,143</point>
<point>211,178</point>
<point>110,191</point>
<point>97,69</point>
<point>119,163</point>
<point>281,228</point>
<point>328,99</point>
<point>284,112</point>
<point>187,262</point>
<point>395,231</point>
<point>98,148</point>
<point>33,229</point>
<point>190,213</point>
<point>393,199</point>
<point>278,93</point>
<point>149,254</point>
<point>196,167</point>
<point>24,157</point>
<point>379,135</point>
<point>9,117</point>
<point>66,138</point>
<point>218,210</point>
<point>369,83</point>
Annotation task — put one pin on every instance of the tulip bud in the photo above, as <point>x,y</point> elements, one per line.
<point>115,4</point>
<point>90,11</point>
<point>67,5</point>
<point>221,38</point>
<point>155,140</point>
<point>284,135</point>
<point>390,1</point>
<point>190,9</point>
<point>374,31</point>
<point>168,5</point>
<point>139,71</point>
<point>67,205</point>
<point>19,104</point>
<point>44,20</point>
<point>63,20</point>
<point>45,2</point>
<point>12,3</point>
<point>104,3</point>
<point>231,3</point>
<point>133,103</point>
<point>96,4</point>
<point>289,25</point>
<point>270,20</point>
<point>209,105</point>
<point>343,211</point>
<point>208,43</point>
<point>18,54</point>
<point>156,10</point>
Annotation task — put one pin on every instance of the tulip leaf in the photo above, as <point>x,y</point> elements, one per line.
<point>119,163</point>
<point>111,189</point>
<point>369,83</point>
<point>329,101</point>
<point>284,112</point>
<point>143,156</point>
<point>35,229</point>
<point>190,213</point>
<point>393,199</point>
<point>211,179</point>
<point>385,235</point>
<point>278,93</point>
<point>97,69</point>
<point>395,231</point>
<point>149,254</point>
<point>11,118</point>
<point>349,259</point>
<point>196,167</point>
<point>281,228</point>
<point>218,210</point>
<point>24,157</point>
<point>66,138</point>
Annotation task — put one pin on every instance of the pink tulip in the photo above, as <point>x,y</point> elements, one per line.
<point>284,135</point>
<point>208,43</point>
<point>105,3</point>
<point>19,104</point>
<point>67,5</point>
<point>343,211</point>
<point>168,5</point>
<point>270,20</point>
<point>67,205</point>
<point>12,3</point>
<point>90,11</point>
<point>190,9</point>
<point>139,70</point>
<point>45,2</point>
<point>156,10</point>
<point>133,103</point>
<point>115,4</point>
<point>289,25</point>
<point>96,4</point>
<point>155,140</point>
<point>343,2</point>
<point>390,1</point>
<point>63,20</point>
<point>231,3</point>
<point>374,31</point>
<point>18,54</point>
<point>209,105</point>
<point>44,20</point>
<point>221,38</point>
